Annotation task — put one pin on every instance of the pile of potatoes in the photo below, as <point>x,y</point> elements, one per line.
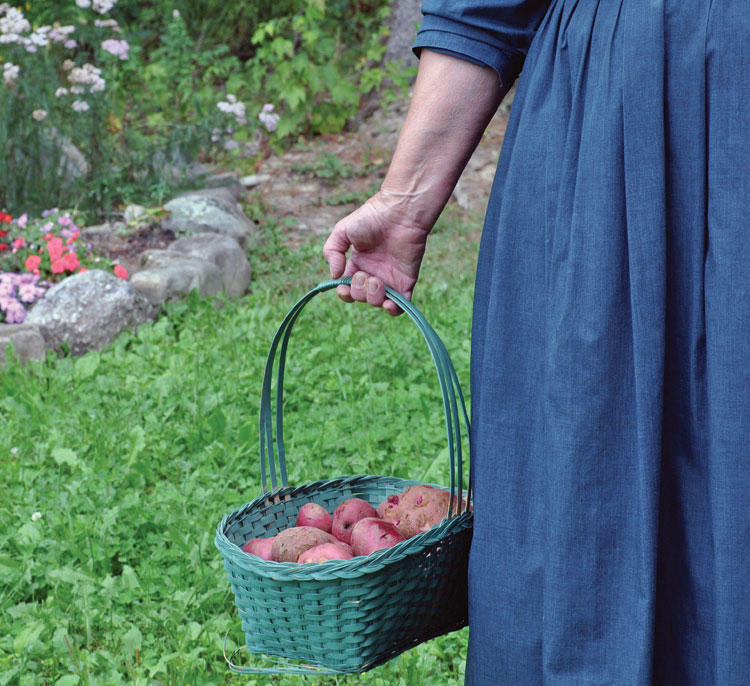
<point>355,527</point>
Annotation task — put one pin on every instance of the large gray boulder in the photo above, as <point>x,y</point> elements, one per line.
<point>212,210</point>
<point>222,251</point>
<point>87,311</point>
<point>169,275</point>
<point>27,341</point>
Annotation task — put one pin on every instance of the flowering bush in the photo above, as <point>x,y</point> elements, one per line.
<point>105,102</point>
<point>72,124</point>
<point>35,254</point>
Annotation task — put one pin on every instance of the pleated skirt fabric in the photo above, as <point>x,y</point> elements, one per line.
<point>611,356</point>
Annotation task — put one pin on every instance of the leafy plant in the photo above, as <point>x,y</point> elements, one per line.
<point>108,573</point>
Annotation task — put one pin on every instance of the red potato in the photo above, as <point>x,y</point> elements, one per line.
<point>347,514</point>
<point>260,547</point>
<point>312,514</point>
<point>291,543</point>
<point>417,509</point>
<point>371,534</point>
<point>327,551</point>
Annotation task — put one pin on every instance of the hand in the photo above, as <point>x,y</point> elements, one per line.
<point>386,250</point>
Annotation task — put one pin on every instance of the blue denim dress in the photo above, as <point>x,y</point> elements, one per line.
<point>611,344</point>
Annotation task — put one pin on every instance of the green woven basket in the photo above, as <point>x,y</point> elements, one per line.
<point>345,616</point>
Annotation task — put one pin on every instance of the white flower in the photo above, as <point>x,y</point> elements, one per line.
<point>80,106</point>
<point>14,449</point>
<point>39,114</point>
<point>175,14</point>
<point>103,6</point>
<point>67,65</point>
<point>77,90</point>
<point>60,92</point>
<point>109,24</point>
<point>235,108</point>
<point>36,516</point>
<point>14,22</point>
<point>40,37</point>
<point>70,44</point>
<point>10,73</point>
<point>268,118</point>
<point>83,4</point>
<point>87,75</point>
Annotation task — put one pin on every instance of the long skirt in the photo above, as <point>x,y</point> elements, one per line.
<point>611,356</point>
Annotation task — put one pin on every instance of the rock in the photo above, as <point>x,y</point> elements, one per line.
<point>222,251</point>
<point>167,274</point>
<point>226,180</point>
<point>134,213</point>
<point>27,341</point>
<point>87,311</point>
<point>405,15</point>
<point>213,210</point>
<point>472,191</point>
<point>253,180</point>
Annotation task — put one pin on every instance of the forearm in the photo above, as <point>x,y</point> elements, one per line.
<point>452,104</point>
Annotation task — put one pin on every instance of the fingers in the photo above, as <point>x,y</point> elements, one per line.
<point>335,250</point>
<point>369,289</point>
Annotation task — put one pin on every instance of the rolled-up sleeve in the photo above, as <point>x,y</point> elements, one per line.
<point>492,32</point>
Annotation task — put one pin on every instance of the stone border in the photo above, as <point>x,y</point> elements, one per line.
<point>87,311</point>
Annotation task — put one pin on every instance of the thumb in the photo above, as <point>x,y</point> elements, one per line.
<point>335,250</point>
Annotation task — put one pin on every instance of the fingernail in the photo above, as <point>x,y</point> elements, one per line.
<point>372,286</point>
<point>358,280</point>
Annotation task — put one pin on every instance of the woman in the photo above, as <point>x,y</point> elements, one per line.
<point>611,334</point>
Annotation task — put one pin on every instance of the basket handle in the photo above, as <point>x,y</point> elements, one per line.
<point>275,463</point>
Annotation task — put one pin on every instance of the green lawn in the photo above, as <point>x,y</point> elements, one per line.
<point>133,454</point>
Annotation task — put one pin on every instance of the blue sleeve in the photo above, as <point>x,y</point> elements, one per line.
<point>492,32</point>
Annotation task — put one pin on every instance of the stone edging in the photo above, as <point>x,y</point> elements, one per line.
<point>87,311</point>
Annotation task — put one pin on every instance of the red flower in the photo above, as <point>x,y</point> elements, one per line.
<point>58,267</point>
<point>70,262</point>
<point>32,263</point>
<point>48,236</point>
<point>120,271</point>
<point>6,218</point>
<point>3,246</point>
<point>4,232</point>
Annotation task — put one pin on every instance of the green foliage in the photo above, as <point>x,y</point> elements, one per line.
<point>135,128</point>
<point>155,111</point>
<point>306,61</point>
<point>132,455</point>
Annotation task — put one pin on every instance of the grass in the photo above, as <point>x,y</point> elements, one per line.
<point>134,453</point>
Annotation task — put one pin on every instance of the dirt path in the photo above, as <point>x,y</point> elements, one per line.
<point>311,187</point>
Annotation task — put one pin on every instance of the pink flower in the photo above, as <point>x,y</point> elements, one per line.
<point>118,48</point>
<point>55,248</point>
<point>15,313</point>
<point>32,263</point>
<point>71,262</point>
<point>120,271</point>
<point>22,221</point>
<point>57,266</point>
<point>18,243</point>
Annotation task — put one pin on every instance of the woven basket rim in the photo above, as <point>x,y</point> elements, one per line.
<point>334,569</point>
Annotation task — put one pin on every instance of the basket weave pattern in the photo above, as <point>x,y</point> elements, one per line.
<point>343,616</point>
